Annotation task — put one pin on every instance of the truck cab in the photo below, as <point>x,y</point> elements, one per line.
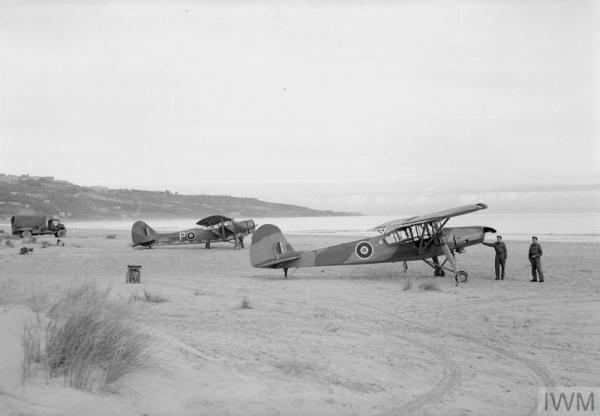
<point>56,227</point>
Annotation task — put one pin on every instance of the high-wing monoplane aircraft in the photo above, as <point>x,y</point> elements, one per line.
<point>416,238</point>
<point>212,229</point>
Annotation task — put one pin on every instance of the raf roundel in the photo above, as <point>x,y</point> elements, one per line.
<point>191,235</point>
<point>364,250</point>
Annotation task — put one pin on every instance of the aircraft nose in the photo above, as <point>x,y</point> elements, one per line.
<point>468,236</point>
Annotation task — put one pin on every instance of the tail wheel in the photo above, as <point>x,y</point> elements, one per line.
<point>461,277</point>
<point>61,233</point>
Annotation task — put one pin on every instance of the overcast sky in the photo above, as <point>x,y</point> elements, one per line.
<point>344,105</point>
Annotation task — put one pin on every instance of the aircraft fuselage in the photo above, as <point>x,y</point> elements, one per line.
<point>391,248</point>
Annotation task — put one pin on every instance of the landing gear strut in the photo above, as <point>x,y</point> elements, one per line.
<point>438,270</point>
<point>460,276</point>
<point>239,243</point>
<point>285,271</point>
<point>207,245</point>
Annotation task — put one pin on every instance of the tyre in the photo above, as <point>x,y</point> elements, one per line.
<point>61,233</point>
<point>26,234</point>
<point>461,277</point>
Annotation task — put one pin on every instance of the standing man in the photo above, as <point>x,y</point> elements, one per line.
<point>501,255</point>
<point>535,254</point>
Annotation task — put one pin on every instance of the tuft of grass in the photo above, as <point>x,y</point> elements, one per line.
<point>32,348</point>
<point>245,304</point>
<point>429,286</point>
<point>197,292</point>
<point>9,244</point>
<point>407,285</point>
<point>45,244</point>
<point>88,339</point>
<point>150,297</point>
<point>111,236</point>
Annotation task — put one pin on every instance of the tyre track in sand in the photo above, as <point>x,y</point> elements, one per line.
<point>450,379</point>
<point>538,372</point>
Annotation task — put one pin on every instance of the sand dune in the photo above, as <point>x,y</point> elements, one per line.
<point>330,341</point>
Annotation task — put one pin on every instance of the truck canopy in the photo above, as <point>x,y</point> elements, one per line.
<point>28,220</point>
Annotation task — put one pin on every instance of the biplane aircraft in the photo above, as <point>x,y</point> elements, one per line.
<point>212,229</point>
<point>423,238</point>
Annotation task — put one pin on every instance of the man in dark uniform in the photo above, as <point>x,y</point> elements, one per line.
<point>501,254</point>
<point>535,254</point>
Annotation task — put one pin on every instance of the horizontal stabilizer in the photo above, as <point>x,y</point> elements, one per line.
<point>144,243</point>
<point>278,263</point>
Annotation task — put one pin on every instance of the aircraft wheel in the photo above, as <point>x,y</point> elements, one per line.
<point>461,277</point>
<point>26,234</point>
<point>61,234</point>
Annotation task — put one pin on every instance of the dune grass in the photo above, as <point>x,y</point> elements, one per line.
<point>87,338</point>
<point>149,297</point>
<point>111,236</point>
<point>245,304</point>
<point>32,348</point>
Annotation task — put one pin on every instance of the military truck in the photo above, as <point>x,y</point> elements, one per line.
<point>29,225</point>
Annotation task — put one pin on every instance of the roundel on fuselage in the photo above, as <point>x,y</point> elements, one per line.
<point>191,235</point>
<point>364,250</point>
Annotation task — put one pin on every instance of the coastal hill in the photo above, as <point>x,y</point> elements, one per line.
<point>26,194</point>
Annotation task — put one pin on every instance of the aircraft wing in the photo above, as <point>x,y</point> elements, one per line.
<point>421,219</point>
<point>213,220</point>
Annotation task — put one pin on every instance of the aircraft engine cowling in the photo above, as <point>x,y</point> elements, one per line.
<point>245,227</point>
<point>461,237</point>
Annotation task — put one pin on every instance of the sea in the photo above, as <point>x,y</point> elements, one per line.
<point>567,227</point>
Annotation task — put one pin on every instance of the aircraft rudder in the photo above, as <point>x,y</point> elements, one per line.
<point>142,233</point>
<point>269,246</point>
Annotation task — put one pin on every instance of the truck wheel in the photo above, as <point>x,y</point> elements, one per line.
<point>61,233</point>
<point>26,234</point>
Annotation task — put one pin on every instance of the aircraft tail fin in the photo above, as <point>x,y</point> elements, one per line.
<point>142,234</point>
<point>271,249</point>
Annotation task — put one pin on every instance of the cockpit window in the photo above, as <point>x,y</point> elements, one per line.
<point>397,237</point>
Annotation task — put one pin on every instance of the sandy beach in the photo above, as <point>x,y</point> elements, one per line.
<point>327,341</point>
